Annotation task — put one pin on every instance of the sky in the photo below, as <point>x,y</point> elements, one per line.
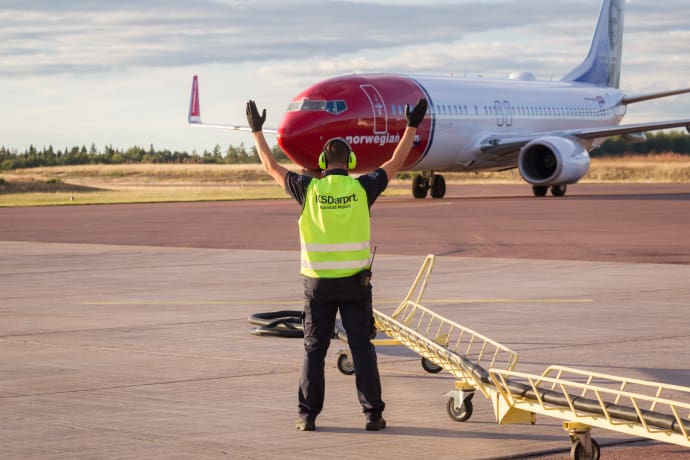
<point>77,72</point>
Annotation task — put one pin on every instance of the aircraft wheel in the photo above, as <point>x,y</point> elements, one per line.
<point>558,190</point>
<point>420,186</point>
<point>577,452</point>
<point>539,190</point>
<point>438,186</point>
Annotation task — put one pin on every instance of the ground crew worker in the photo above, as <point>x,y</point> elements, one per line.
<point>334,231</point>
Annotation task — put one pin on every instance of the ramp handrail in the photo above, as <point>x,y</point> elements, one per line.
<point>622,383</point>
<point>420,282</point>
<point>558,394</point>
<point>431,340</point>
<point>459,339</point>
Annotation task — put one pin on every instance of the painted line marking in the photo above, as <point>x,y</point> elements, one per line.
<point>300,302</point>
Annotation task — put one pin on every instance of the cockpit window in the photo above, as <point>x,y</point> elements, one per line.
<point>309,105</point>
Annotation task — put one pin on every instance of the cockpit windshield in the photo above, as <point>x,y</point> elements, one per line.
<point>309,105</point>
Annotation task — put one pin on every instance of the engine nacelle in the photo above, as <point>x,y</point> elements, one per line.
<point>553,160</point>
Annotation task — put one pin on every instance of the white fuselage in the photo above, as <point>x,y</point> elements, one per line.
<point>467,111</point>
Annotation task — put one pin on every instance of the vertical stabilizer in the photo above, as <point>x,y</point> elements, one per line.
<point>194,115</point>
<point>602,66</point>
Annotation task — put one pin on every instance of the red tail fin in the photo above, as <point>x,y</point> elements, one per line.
<point>194,110</point>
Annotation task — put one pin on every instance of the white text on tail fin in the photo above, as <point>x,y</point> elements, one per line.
<point>602,66</point>
<point>194,111</point>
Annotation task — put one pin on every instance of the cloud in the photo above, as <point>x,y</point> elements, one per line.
<point>87,36</point>
<point>118,73</point>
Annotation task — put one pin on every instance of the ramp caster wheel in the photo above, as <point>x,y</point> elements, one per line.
<point>345,364</point>
<point>577,452</point>
<point>461,414</point>
<point>430,367</point>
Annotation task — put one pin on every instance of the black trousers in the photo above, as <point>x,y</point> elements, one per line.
<point>323,298</point>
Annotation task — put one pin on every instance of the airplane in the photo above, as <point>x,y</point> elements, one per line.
<point>545,129</point>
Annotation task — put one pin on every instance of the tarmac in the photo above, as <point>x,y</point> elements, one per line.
<point>113,350</point>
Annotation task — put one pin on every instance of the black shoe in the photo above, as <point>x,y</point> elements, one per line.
<point>376,424</point>
<point>304,424</point>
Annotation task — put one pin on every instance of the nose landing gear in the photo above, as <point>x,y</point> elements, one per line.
<point>428,181</point>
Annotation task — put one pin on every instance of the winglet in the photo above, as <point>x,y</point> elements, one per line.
<point>194,116</point>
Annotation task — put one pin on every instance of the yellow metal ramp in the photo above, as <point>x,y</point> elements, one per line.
<point>582,399</point>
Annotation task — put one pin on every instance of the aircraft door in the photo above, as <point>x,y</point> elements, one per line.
<point>378,108</point>
<point>504,113</point>
<point>508,112</point>
<point>500,116</point>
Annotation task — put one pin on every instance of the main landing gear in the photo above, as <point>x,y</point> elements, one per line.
<point>556,190</point>
<point>428,181</point>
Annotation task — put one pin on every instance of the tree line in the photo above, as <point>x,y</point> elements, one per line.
<point>660,142</point>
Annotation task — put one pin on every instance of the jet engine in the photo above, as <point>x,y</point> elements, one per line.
<point>553,161</point>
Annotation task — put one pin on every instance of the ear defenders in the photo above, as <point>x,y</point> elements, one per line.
<point>351,159</point>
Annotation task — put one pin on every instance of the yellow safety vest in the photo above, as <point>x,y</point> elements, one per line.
<point>334,228</point>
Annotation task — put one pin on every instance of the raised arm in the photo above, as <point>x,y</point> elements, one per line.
<point>256,122</point>
<point>414,118</point>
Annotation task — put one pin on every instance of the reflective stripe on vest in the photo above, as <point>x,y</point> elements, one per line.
<point>334,228</point>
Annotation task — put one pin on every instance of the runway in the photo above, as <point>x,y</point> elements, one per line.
<point>620,223</point>
<point>125,332</point>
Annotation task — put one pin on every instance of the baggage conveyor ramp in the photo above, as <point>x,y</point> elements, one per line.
<point>580,398</point>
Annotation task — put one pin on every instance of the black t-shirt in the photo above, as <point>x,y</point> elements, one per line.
<point>374,183</point>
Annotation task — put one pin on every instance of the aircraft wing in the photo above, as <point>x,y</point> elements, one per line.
<point>500,145</point>
<point>194,115</point>
<point>632,98</point>
<point>608,131</point>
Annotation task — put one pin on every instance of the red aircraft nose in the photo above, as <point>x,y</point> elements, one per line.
<point>367,111</point>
